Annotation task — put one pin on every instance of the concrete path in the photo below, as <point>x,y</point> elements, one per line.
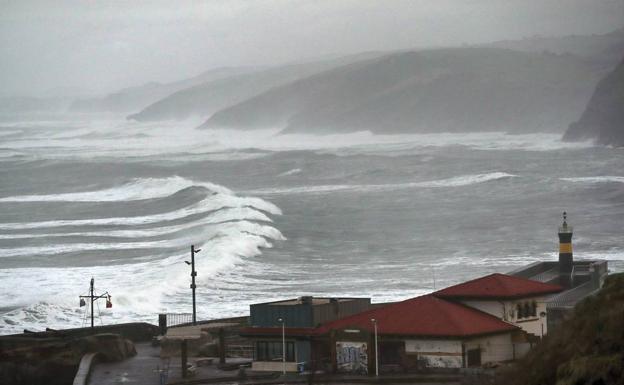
<point>142,370</point>
<point>137,370</point>
<point>146,367</point>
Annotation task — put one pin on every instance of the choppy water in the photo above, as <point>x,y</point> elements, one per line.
<point>277,216</point>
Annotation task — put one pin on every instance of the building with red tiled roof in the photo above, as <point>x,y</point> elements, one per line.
<point>425,331</point>
<point>425,316</point>
<point>488,319</point>
<point>498,286</point>
<point>519,301</point>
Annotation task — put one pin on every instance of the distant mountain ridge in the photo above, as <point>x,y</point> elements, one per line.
<point>603,118</point>
<point>207,97</point>
<point>134,98</point>
<point>437,90</point>
<point>604,50</point>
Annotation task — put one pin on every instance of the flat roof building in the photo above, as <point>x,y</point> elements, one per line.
<point>297,318</point>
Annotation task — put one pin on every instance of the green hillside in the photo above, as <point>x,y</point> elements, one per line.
<point>587,349</point>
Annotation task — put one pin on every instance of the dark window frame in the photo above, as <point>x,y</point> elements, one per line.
<point>267,350</point>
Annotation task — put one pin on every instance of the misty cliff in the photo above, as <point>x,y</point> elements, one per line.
<point>204,99</point>
<point>603,119</point>
<point>604,50</point>
<point>134,98</point>
<point>441,90</point>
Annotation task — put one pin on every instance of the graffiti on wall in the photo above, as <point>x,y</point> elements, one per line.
<point>352,357</point>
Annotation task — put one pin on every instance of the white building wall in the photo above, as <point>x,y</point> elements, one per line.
<point>494,348</point>
<point>495,308</point>
<point>506,310</point>
<point>436,353</point>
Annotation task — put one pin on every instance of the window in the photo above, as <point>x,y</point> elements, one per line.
<point>526,310</point>
<point>272,351</point>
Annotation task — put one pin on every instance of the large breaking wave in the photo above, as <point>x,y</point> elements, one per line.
<point>139,259</point>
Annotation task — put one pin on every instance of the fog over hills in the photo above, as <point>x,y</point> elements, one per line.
<point>601,50</point>
<point>603,119</point>
<point>134,98</point>
<point>439,90</point>
<point>205,98</point>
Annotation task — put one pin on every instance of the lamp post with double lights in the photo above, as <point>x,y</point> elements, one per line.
<point>374,321</point>
<point>193,275</point>
<point>94,297</point>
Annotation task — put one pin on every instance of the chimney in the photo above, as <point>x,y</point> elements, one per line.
<point>565,252</point>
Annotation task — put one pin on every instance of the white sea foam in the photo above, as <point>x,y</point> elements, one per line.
<point>211,203</point>
<point>228,237</point>
<point>217,230</point>
<point>294,171</point>
<point>596,179</point>
<point>142,188</point>
<point>218,217</point>
<point>459,181</point>
<point>112,139</point>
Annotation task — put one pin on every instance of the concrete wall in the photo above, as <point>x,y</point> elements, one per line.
<point>273,366</point>
<point>436,353</point>
<point>495,348</point>
<point>498,309</point>
<point>339,309</point>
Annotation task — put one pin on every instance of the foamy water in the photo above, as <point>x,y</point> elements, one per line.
<point>382,216</point>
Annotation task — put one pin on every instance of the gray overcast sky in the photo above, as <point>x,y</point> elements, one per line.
<point>102,45</point>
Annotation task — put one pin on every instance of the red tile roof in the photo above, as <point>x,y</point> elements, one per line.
<point>423,316</point>
<point>499,286</point>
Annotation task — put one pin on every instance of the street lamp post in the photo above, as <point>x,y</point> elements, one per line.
<point>193,275</point>
<point>281,320</point>
<point>374,321</point>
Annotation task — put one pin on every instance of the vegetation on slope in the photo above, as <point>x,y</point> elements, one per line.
<point>588,348</point>
<point>603,119</point>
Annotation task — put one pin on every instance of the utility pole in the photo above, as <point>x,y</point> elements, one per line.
<point>374,321</point>
<point>93,297</point>
<point>193,275</point>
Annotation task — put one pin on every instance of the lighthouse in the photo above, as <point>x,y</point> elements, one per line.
<point>565,252</point>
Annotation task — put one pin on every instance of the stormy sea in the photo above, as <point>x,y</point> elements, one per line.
<point>275,216</point>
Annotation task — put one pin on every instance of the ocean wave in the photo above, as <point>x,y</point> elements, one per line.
<point>217,201</point>
<point>233,231</point>
<point>459,181</point>
<point>218,217</point>
<point>595,179</point>
<point>218,230</point>
<point>137,189</point>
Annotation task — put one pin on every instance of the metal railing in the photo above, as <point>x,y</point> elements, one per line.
<point>174,319</point>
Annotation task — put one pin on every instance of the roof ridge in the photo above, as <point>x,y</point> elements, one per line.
<point>449,318</point>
